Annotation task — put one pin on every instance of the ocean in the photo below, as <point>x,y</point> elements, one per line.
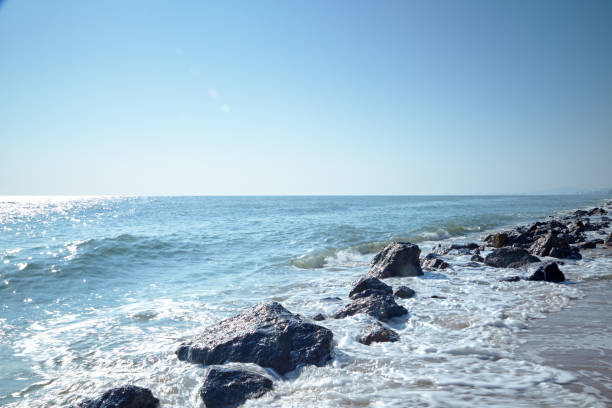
<point>96,292</point>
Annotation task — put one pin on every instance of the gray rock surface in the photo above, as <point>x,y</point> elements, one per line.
<point>397,259</point>
<point>377,333</point>
<point>229,388</point>
<point>369,285</point>
<point>266,334</point>
<point>382,307</point>
<point>127,396</point>
<point>509,257</point>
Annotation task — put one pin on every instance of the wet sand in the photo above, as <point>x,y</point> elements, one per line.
<point>578,340</point>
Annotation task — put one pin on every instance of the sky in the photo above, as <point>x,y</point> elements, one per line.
<point>305,97</point>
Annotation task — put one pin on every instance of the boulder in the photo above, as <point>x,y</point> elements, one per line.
<point>509,257</point>
<point>580,213</point>
<point>545,244</point>
<point>229,388</point>
<point>377,333</point>
<point>498,240</point>
<point>397,259</point>
<point>477,258</point>
<point>597,211</point>
<point>266,334</point>
<point>377,305</point>
<point>431,261</point>
<point>318,317</point>
<point>549,272</point>
<point>404,292</point>
<point>127,396</point>
<point>369,285</point>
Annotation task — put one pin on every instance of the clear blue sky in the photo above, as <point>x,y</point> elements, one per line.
<point>308,97</point>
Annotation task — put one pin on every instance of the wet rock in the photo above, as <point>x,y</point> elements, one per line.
<point>377,333</point>
<point>128,396</point>
<point>229,388</point>
<point>498,240</point>
<point>597,211</point>
<point>318,317</point>
<point>549,272</point>
<point>509,257</point>
<point>587,244</point>
<point>473,265</point>
<point>608,241</point>
<point>266,334</point>
<point>382,307</point>
<point>369,285</point>
<point>331,299</point>
<point>397,259</point>
<point>437,297</point>
<point>580,213</point>
<point>431,261</point>
<point>477,258</point>
<point>550,245</point>
<point>404,292</point>
<point>444,249</point>
<point>511,279</point>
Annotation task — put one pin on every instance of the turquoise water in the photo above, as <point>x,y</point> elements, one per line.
<point>96,291</point>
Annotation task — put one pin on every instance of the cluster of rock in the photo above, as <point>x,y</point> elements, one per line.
<point>273,338</point>
<point>557,238</point>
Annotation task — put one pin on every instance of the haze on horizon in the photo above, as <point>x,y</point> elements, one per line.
<point>275,98</point>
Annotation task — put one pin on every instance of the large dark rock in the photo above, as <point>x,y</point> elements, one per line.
<point>318,317</point>
<point>397,259</point>
<point>546,243</point>
<point>580,213</point>
<point>377,333</point>
<point>380,306</point>
<point>229,388</point>
<point>404,292</point>
<point>498,240</point>
<point>128,396</point>
<point>369,285</point>
<point>509,257</point>
<point>597,211</point>
<point>267,334</point>
<point>443,249</point>
<point>549,272</point>
<point>431,261</point>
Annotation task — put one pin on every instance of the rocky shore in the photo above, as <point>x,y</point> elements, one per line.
<point>278,341</point>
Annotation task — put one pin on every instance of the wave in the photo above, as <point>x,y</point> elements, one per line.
<point>351,254</point>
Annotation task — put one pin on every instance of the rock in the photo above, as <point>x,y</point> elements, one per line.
<point>597,211</point>
<point>229,388</point>
<point>404,292</point>
<point>431,261</point>
<point>443,249</point>
<point>499,239</point>
<point>397,259</point>
<point>545,244</point>
<point>477,258</point>
<point>382,307</point>
<point>127,396</point>
<point>369,285</point>
<point>437,297</point>
<point>266,334</point>
<point>377,333</point>
<point>580,213</point>
<point>509,257</point>
<point>588,245</point>
<point>331,299</point>
<point>608,241</point>
<point>318,317</point>
<point>511,279</point>
<point>549,272</point>
<point>473,265</point>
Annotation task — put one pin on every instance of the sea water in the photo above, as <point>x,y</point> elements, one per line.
<point>97,292</point>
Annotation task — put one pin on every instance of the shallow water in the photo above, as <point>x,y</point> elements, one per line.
<point>97,292</point>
